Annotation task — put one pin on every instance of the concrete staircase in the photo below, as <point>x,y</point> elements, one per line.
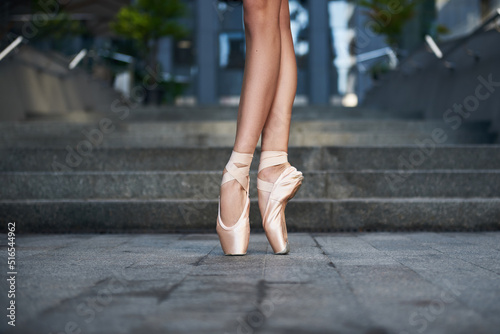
<point>153,189</point>
<point>160,170</point>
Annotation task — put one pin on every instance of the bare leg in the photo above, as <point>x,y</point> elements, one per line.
<point>262,65</point>
<point>277,127</point>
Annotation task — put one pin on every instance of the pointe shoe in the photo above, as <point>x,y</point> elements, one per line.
<point>281,191</point>
<point>234,239</point>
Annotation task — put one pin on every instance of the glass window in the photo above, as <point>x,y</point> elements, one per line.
<point>232,49</point>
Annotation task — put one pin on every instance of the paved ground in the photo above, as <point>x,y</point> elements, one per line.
<point>330,283</point>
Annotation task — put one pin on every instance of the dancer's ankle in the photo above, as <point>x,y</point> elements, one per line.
<point>271,174</point>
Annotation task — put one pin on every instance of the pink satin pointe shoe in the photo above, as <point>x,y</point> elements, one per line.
<point>234,239</point>
<point>281,191</point>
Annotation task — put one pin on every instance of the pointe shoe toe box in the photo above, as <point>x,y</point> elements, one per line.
<point>234,239</point>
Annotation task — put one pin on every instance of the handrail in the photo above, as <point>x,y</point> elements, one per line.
<point>11,47</point>
<point>374,54</point>
<point>63,64</point>
<point>434,47</point>
<point>69,64</point>
<point>478,30</point>
<point>77,59</point>
<point>443,55</point>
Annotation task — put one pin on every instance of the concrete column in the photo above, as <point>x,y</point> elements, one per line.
<point>319,51</point>
<point>166,53</point>
<point>207,24</point>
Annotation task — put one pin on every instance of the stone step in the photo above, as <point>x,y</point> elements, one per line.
<point>139,113</point>
<point>338,158</point>
<point>206,140</point>
<point>326,139</point>
<point>205,185</point>
<point>221,133</point>
<point>148,128</point>
<point>203,113</point>
<point>135,215</point>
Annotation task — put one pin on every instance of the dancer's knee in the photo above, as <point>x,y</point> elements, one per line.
<point>260,15</point>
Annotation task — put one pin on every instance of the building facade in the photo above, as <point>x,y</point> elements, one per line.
<point>329,36</point>
<point>338,55</point>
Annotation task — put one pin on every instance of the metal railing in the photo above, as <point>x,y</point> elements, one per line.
<point>476,32</point>
<point>11,47</point>
<point>383,52</point>
<point>444,55</point>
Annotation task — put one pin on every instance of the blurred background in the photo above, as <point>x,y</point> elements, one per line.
<point>345,49</point>
<point>99,99</point>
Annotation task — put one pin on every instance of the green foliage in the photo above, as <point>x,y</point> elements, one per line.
<point>379,69</point>
<point>172,90</point>
<point>390,16</point>
<point>442,30</point>
<point>57,25</point>
<point>147,20</point>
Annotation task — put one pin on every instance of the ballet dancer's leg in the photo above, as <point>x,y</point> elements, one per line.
<point>277,127</point>
<point>260,80</point>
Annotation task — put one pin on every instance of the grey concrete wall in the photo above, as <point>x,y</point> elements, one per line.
<point>11,103</point>
<point>32,84</point>
<point>459,16</point>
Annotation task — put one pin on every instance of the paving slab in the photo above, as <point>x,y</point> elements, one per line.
<point>418,282</point>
